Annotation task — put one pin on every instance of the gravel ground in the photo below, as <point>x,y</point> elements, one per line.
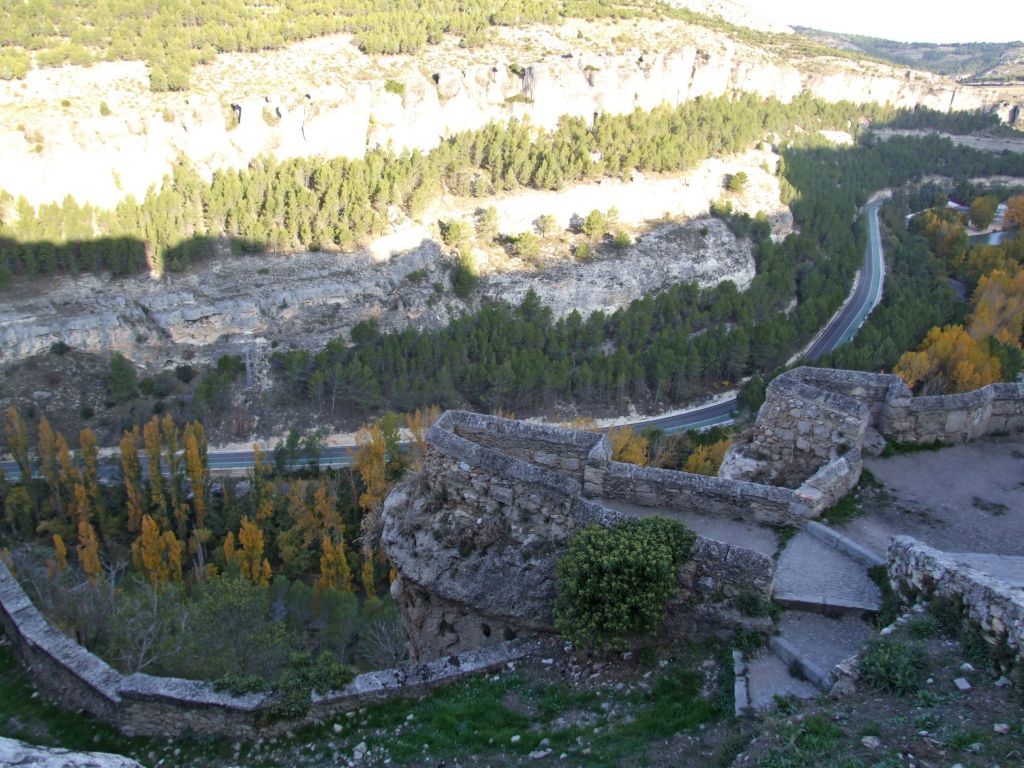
<point>968,498</point>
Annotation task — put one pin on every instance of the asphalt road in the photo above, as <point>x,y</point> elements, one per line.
<point>839,330</point>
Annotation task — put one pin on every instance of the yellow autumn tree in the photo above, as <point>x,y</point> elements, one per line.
<point>49,464</point>
<point>152,446</point>
<point>706,459</point>
<point>949,360</point>
<point>16,435</point>
<point>1015,211</point>
<point>263,486</point>
<point>89,551</point>
<point>90,475</point>
<point>367,576</point>
<point>999,307</point>
<point>59,563</point>
<point>134,500</point>
<point>334,569</point>
<point>370,461</point>
<point>628,446</point>
<point>69,475</point>
<point>156,554</point>
<point>82,509</point>
<point>418,423</point>
<point>248,556</point>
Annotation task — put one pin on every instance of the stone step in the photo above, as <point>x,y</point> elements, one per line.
<point>818,576</point>
<point>768,677</point>
<point>815,644</point>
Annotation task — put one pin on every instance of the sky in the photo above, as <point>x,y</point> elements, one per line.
<point>920,21</point>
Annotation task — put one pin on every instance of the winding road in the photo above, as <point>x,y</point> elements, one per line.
<point>839,330</point>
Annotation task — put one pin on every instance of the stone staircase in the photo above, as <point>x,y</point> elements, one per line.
<point>822,581</point>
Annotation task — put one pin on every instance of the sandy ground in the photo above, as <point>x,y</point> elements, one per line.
<point>969,498</point>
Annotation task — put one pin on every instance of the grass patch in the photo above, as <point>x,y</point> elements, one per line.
<point>897,448</point>
<point>992,507</point>
<point>806,742</point>
<point>894,666</point>
<point>852,504</point>
<point>892,605</point>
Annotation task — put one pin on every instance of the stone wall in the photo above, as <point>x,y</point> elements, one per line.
<point>813,416</point>
<point>476,538</point>
<point>144,705</point>
<point>992,605</point>
<point>669,490</point>
<point>563,451</point>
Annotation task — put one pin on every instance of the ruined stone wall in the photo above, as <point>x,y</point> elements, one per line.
<point>800,428</point>
<point>992,605</point>
<point>476,538</point>
<point>814,416</point>
<point>562,451</point>
<point>669,490</point>
<point>144,705</point>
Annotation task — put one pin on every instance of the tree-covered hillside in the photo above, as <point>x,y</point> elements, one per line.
<point>173,35</point>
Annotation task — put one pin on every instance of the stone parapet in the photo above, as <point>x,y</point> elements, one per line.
<point>144,705</point>
<point>992,605</point>
<point>812,417</point>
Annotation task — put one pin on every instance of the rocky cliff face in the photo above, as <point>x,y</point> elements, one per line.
<point>56,142</point>
<point>306,299</point>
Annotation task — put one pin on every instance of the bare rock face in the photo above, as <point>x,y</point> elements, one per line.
<point>455,589</point>
<point>307,299</point>
<point>16,754</point>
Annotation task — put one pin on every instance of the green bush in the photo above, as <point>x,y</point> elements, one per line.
<point>121,382</point>
<point>614,583</point>
<point>463,276</point>
<point>395,87</point>
<point>894,666</point>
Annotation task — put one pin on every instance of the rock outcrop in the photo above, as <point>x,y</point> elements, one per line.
<point>18,754</point>
<point>304,300</point>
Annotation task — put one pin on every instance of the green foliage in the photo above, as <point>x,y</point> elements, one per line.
<point>595,224</point>
<point>737,182</point>
<point>547,225</point>
<point>894,666</point>
<point>621,240</point>
<point>395,87</point>
<point>463,275</point>
<point>752,394</point>
<point>121,383</point>
<point>983,210</point>
<point>614,583</point>
<point>454,232</point>
<point>753,604</point>
<point>239,685</point>
<point>305,676</point>
<point>526,246</point>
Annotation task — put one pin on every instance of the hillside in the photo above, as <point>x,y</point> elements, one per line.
<point>976,62</point>
<point>100,133</point>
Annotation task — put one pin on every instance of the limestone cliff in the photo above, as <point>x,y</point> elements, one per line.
<point>322,97</point>
<point>304,300</point>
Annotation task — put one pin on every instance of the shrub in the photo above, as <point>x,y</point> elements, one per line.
<point>526,246</point>
<point>614,583</point>
<point>395,87</point>
<point>737,182</point>
<point>582,251</point>
<point>894,666</point>
<point>121,379</point>
<point>463,275</point>
<point>59,348</point>
<point>622,240</point>
<point>104,109</point>
<point>454,232</point>
<point>185,373</point>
